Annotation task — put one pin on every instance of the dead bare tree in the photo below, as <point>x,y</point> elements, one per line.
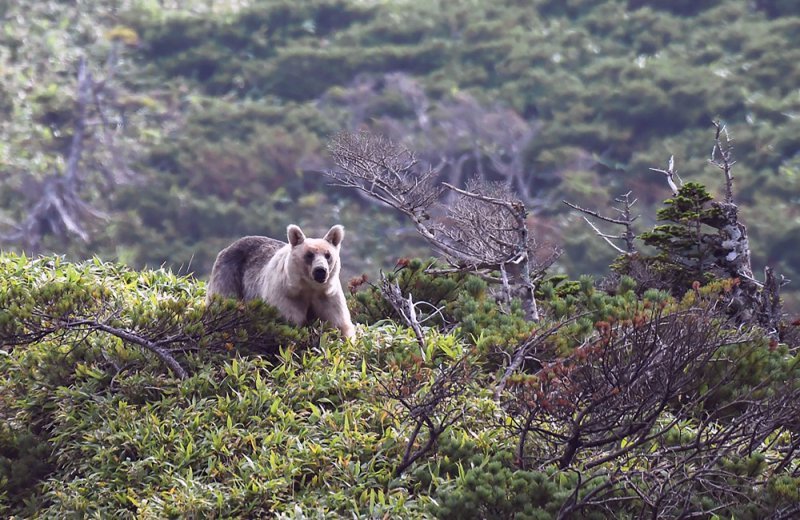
<point>60,209</point>
<point>61,206</point>
<point>484,231</point>
<point>733,233</point>
<point>625,219</point>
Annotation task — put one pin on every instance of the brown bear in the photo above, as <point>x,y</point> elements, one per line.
<point>300,279</point>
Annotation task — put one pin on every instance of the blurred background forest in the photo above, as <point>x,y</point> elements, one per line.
<point>156,132</point>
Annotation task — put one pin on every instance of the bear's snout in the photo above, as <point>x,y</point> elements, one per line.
<point>320,274</point>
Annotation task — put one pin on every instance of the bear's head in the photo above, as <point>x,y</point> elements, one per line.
<point>316,258</point>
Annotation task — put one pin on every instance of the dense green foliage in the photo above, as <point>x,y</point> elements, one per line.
<point>124,395</point>
<point>227,106</point>
<point>275,421</point>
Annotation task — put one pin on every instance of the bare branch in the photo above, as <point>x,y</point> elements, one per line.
<point>626,221</point>
<point>595,214</point>
<point>670,174</point>
<point>515,207</point>
<point>603,236</point>
<point>722,157</point>
<point>161,353</point>
<point>405,308</point>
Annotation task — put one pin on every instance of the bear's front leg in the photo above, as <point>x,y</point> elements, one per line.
<point>294,311</point>
<point>333,309</point>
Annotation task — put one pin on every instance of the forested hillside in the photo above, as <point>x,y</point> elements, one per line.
<point>208,120</point>
<point>634,353</point>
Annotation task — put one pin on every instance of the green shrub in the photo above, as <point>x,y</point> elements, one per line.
<point>493,488</point>
<point>273,421</point>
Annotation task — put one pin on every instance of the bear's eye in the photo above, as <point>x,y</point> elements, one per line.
<point>327,256</point>
<point>309,257</point>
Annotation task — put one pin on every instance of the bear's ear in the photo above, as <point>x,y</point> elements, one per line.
<point>335,235</point>
<point>295,234</point>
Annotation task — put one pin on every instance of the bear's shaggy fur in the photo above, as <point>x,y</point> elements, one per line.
<point>300,279</point>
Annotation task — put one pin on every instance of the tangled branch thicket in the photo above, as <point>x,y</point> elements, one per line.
<point>430,399</point>
<point>657,406</point>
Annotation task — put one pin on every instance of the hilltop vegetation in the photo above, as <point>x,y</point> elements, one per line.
<point>125,394</point>
<point>624,405</point>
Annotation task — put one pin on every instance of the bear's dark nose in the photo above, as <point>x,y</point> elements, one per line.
<point>319,274</point>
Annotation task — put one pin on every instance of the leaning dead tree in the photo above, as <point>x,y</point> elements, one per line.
<point>60,209</point>
<point>102,143</point>
<point>483,231</point>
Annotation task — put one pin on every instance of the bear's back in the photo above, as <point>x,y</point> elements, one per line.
<point>257,251</point>
<point>238,265</point>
